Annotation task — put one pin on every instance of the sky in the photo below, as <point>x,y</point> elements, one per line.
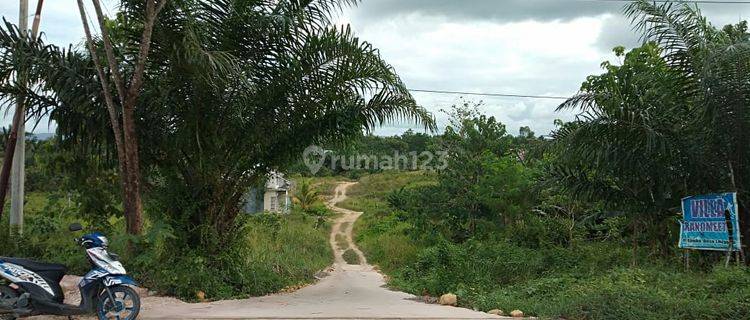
<point>526,47</point>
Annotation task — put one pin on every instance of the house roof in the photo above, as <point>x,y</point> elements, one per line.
<point>276,181</point>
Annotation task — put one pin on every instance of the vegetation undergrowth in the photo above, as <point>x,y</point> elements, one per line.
<point>521,267</point>
<point>580,223</point>
<point>274,252</point>
<point>271,252</point>
<point>180,175</point>
<point>351,257</point>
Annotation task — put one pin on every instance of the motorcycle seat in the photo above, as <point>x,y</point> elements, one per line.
<point>52,271</point>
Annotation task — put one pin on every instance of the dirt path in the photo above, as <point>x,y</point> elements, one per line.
<point>348,292</point>
<point>347,222</point>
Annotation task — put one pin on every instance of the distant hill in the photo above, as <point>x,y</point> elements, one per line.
<point>43,136</point>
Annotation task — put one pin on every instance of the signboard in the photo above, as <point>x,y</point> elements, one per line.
<point>704,224</point>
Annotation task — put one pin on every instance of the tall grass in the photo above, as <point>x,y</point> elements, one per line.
<point>381,237</point>
<point>276,251</point>
<point>351,257</point>
<point>293,251</point>
<point>324,185</point>
<point>500,269</point>
<point>378,186</point>
<point>45,235</point>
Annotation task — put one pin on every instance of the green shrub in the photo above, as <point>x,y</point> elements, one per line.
<point>351,257</point>
<point>390,250</point>
<point>45,235</point>
<point>628,293</point>
<point>573,284</point>
<point>271,252</point>
<point>544,265</point>
<point>276,251</point>
<point>386,240</point>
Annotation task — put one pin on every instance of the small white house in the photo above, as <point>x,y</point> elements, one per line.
<point>275,198</point>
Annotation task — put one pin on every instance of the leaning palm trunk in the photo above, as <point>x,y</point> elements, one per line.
<point>125,132</point>
<point>18,118</point>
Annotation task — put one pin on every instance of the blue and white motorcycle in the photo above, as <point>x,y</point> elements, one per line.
<point>29,288</point>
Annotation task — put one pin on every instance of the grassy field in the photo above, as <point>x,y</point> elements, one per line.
<point>387,247</point>
<point>593,280</point>
<point>370,193</point>
<point>324,185</point>
<point>290,252</point>
<point>278,251</point>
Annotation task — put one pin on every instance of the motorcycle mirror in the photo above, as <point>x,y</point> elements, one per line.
<point>75,227</point>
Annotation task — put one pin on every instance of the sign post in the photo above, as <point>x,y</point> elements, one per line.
<point>710,222</point>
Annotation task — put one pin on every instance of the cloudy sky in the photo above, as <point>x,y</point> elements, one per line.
<point>527,47</point>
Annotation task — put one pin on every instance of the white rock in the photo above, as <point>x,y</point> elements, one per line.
<point>496,312</point>
<point>448,299</point>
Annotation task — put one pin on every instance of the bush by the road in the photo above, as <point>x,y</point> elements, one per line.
<point>276,251</point>
<point>272,252</point>
<point>540,271</point>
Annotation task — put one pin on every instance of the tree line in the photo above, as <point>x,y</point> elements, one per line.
<point>668,120</point>
<point>227,91</point>
<point>195,100</point>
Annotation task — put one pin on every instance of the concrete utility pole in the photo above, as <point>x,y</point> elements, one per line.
<point>18,175</point>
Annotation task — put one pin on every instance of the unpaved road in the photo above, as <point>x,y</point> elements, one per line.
<point>348,292</point>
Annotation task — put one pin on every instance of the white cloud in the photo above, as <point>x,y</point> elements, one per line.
<point>539,47</point>
<point>525,57</point>
<point>60,24</point>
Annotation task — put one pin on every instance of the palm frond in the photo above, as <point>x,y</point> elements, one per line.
<point>681,31</point>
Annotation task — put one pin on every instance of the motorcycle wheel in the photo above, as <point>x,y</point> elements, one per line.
<point>6,294</point>
<point>126,306</point>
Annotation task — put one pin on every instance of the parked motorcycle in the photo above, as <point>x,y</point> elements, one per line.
<point>29,288</point>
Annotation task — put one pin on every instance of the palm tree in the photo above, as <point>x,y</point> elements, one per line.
<point>306,196</point>
<point>670,121</point>
<point>232,90</point>
<point>626,147</point>
<point>715,66</point>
